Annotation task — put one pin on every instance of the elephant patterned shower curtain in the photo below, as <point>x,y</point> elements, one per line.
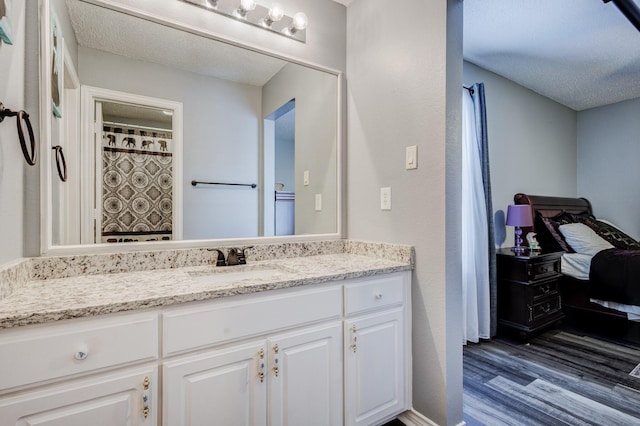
<point>137,185</point>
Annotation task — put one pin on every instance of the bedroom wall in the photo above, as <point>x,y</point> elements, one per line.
<point>532,144</point>
<point>608,153</point>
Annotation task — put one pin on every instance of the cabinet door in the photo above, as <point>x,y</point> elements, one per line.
<point>221,387</point>
<point>305,377</point>
<point>116,399</point>
<point>374,367</point>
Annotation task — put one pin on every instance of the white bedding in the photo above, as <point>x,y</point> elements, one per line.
<point>577,265</point>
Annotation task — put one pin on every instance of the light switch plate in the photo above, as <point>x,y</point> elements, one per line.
<point>318,202</point>
<point>411,161</point>
<point>385,198</point>
<point>305,178</point>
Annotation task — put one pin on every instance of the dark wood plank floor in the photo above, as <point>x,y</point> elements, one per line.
<point>558,378</point>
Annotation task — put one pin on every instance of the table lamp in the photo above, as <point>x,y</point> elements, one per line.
<point>519,216</point>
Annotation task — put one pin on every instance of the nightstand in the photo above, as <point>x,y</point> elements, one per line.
<point>528,291</point>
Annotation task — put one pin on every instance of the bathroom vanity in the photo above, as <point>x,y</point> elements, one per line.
<point>320,339</point>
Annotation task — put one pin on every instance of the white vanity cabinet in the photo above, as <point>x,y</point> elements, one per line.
<point>377,349</point>
<point>282,367</point>
<point>288,379</point>
<point>100,400</point>
<point>330,354</point>
<point>79,372</point>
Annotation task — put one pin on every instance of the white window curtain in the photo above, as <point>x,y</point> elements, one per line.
<point>475,252</point>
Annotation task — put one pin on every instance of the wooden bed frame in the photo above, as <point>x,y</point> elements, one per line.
<point>575,293</point>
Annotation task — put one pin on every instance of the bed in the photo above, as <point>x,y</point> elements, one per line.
<point>577,290</point>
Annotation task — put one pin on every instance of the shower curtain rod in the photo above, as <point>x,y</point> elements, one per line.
<point>159,129</point>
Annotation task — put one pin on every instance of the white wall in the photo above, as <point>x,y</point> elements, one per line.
<point>532,144</point>
<point>315,136</point>
<point>608,156</point>
<point>398,78</point>
<point>12,164</point>
<point>221,133</point>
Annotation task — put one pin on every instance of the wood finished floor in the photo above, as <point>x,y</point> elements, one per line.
<point>559,378</point>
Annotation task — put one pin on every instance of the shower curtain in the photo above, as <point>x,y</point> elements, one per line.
<point>478,265</point>
<point>137,185</point>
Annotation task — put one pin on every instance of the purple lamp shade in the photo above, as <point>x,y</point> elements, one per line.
<point>519,215</point>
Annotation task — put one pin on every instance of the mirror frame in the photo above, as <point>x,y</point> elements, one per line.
<point>47,248</point>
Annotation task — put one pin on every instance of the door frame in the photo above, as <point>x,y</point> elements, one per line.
<point>89,97</point>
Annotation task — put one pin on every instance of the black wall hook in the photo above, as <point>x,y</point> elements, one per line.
<point>30,157</point>
<point>61,164</point>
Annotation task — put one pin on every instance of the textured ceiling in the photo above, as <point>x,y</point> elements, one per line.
<point>580,53</point>
<point>114,32</point>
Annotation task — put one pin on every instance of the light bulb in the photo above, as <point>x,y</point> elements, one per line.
<point>299,23</point>
<point>246,6</point>
<point>276,12</point>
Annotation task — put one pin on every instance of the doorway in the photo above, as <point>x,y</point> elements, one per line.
<point>280,140</point>
<point>133,187</point>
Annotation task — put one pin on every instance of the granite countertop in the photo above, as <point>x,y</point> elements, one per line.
<point>41,301</point>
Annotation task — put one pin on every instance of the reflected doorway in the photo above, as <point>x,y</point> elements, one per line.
<point>280,130</point>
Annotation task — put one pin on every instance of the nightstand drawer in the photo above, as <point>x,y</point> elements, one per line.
<point>540,312</point>
<point>544,289</point>
<point>538,270</point>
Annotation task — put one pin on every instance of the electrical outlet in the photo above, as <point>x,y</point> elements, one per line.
<point>305,178</point>
<point>385,198</point>
<point>318,202</point>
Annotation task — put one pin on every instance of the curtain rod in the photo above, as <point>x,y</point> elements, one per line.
<point>136,126</point>
<point>628,9</point>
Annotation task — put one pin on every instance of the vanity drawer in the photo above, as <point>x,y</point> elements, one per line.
<point>221,321</point>
<point>31,355</point>
<point>374,293</point>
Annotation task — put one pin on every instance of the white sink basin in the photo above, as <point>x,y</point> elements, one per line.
<point>228,274</point>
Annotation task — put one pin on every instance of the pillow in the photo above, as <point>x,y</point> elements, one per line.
<point>551,224</point>
<point>612,234</point>
<point>583,239</point>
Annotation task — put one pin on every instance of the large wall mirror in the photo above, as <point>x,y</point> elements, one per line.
<point>172,136</point>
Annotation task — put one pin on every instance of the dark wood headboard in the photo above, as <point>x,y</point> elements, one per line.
<point>549,207</point>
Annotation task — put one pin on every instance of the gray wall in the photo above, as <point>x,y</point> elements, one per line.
<point>608,155</point>
<point>220,138</point>
<point>532,143</point>
<point>315,146</point>
<point>12,164</point>
<point>398,77</point>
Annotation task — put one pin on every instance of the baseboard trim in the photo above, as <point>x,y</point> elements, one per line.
<point>413,418</point>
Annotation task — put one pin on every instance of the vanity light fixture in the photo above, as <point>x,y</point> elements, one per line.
<point>270,18</point>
